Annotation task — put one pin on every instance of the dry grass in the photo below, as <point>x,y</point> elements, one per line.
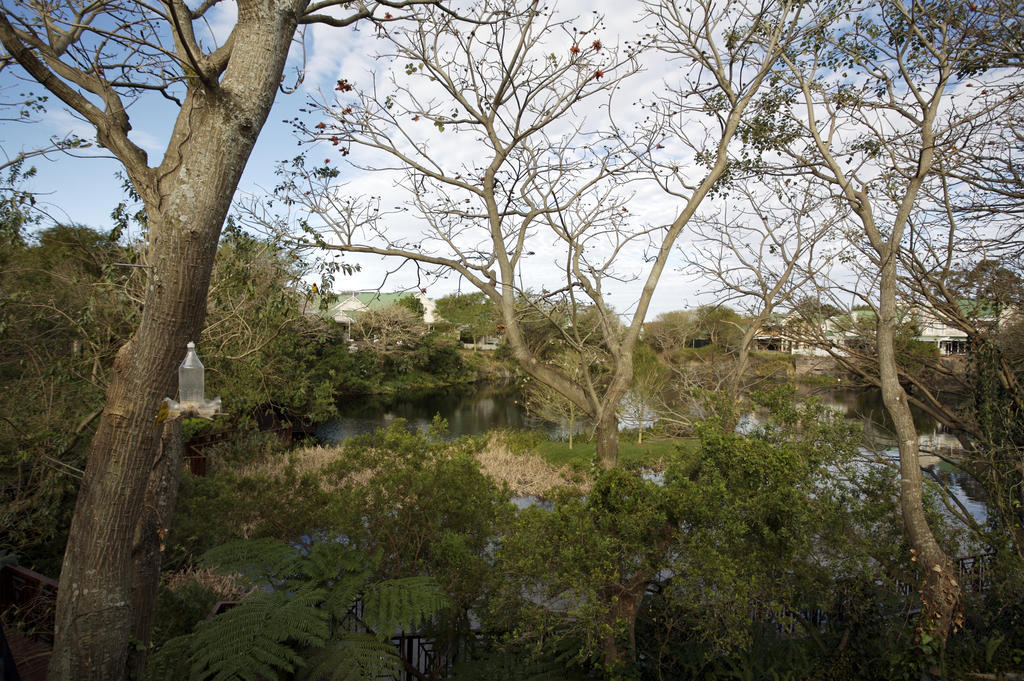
<point>226,587</point>
<point>526,474</point>
<point>304,460</point>
<point>308,460</point>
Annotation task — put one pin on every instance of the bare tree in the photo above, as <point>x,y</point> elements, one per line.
<point>550,404</point>
<point>641,405</point>
<point>953,282</point>
<point>762,252</point>
<point>388,329</point>
<point>98,58</point>
<point>518,100</point>
<point>869,114</point>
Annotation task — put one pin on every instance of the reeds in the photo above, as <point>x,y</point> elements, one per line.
<point>526,474</point>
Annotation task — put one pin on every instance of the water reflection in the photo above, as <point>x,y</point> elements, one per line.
<point>477,409</point>
<point>528,501</point>
<point>940,449</point>
<point>469,410</point>
<point>866,405</point>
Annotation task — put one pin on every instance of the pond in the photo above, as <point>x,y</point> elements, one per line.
<point>938,446</point>
<point>866,406</point>
<point>479,408</point>
<point>469,409</point>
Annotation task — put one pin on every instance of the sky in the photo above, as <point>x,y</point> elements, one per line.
<point>86,189</point>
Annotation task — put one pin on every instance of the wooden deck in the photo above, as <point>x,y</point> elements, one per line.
<point>27,601</point>
<point>30,657</point>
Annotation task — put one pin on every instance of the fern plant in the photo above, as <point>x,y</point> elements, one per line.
<point>312,614</point>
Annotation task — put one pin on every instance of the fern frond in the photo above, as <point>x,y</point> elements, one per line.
<point>402,603</point>
<point>273,633</point>
<point>257,560</point>
<point>325,561</point>
<point>170,663</point>
<point>355,657</point>
<point>343,593</point>
<point>255,640</point>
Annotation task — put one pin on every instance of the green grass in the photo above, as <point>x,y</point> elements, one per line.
<point>818,381</point>
<point>651,454</point>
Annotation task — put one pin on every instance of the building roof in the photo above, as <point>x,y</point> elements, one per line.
<point>349,304</point>
<point>371,300</point>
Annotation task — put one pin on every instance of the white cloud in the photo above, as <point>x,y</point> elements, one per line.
<point>332,58</point>
<point>219,22</point>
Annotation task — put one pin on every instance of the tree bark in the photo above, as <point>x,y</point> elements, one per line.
<point>736,381</point>
<point>150,533</point>
<point>606,435</point>
<point>940,592</point>
<point>107,578</point>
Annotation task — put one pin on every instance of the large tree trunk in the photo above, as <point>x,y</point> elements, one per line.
<point>150,532</point>
<point>940,592</point>
<point>606,434</point>
<point>108,577</point>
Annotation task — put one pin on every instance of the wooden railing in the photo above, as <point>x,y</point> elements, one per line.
<point>28,600</point>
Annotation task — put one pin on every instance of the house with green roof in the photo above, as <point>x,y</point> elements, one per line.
<point>951,339</point>
<point>348,305</point>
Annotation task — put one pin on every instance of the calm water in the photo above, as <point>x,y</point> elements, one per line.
<point>476,409</point>
<point>937,444</point>
<point>469,410</point>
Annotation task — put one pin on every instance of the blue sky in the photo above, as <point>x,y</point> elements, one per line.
<point>85,190</point>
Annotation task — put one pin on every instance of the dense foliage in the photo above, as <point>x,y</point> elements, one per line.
<point>69,298</point>
<point>772,551</point>
<point>387,507</point>
<point>300,620</point>
<point>65,309</point>
<point>473,315</point>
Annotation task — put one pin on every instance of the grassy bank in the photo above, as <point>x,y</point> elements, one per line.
<point>654,453</point>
